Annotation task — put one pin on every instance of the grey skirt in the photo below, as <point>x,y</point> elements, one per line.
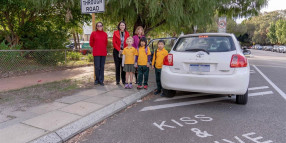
<point>129,68</point>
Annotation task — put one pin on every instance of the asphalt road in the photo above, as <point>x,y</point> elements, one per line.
<point>204,118</point>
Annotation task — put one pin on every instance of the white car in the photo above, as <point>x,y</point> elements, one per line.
<point>208,63</point>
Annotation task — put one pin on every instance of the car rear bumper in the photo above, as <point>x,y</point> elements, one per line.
<point>236,83</point>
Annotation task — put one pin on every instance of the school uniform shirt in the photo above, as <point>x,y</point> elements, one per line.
<point>129,55</point>
<point>142,56</point>
<point>160,55</point>
<point>98,41</point>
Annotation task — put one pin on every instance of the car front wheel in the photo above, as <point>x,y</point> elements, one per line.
<point>169,93</point>
<point>242,99</point>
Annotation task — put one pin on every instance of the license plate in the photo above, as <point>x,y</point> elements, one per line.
<point>199,68</point>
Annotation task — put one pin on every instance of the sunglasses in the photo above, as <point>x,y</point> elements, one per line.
<point>99,26</point>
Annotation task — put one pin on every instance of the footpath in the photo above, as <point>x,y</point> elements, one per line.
<point>64,118</point>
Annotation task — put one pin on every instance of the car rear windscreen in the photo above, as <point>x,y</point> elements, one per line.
<point>207,43</point>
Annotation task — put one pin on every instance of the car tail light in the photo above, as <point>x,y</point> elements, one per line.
<point>238,61</point>
<point>168,60</point>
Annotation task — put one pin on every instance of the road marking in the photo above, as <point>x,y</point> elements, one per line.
<point>198,95</point>
<point>260,93</point>
<point>271,83</point>
<point>182,104</point>
<point>252,71</point>
<point>256,88</point>
<point>199,101</point>
<point>271,66</point>
<point>180,97</point>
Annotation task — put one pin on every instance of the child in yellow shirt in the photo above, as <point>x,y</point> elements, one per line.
<point>143,59</point>
<point>128,61</point>
<point>157,63</point>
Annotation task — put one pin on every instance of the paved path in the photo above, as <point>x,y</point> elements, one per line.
<point>40,78</point>
<point>60,120</point>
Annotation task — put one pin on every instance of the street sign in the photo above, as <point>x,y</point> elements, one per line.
<point>92,6</point>
<point>222,25</point>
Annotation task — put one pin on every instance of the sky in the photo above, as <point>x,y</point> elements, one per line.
<point>272,6</point>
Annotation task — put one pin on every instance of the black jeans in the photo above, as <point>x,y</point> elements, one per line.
<point>99,62</point>
<point>158,79</point>
<point>118,67</point>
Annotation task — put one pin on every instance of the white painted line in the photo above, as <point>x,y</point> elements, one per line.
<point>260,93</point>
<point>271,83</point>
<point>180,97</point>
<point>182,104</point>
<point>256,88</point>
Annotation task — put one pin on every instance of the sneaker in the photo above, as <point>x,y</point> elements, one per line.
<point>102,84</point>
<point>130,85</point>
<point>95,82</point>
<point>126,86</point>
<point>157,92</point>
<point>145,86</point>
<point>139,87</point>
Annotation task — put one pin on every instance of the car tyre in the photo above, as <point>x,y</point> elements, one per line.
<point>169,93</point>
<point>242,99</point>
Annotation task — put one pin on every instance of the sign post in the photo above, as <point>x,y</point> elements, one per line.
<point>92,6</point>
<point>222,25</point>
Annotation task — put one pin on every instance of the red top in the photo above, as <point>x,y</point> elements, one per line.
<point>116,40</point>
<point>98,41</point>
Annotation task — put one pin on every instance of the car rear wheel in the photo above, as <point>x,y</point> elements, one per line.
<point>169,93</point>
<point>242,99</point>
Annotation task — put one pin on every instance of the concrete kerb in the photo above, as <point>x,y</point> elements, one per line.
<point>72,129</point>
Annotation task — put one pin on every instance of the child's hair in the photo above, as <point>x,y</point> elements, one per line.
<point>161,41</point>
<point>143,39</point>
<point>130,38</point>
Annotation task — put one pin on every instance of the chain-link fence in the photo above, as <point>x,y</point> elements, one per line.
<point>21,62</point>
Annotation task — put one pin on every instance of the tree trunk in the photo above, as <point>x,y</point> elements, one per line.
<point>138,22</point>
<point>74,40</point>
<point>77,37</point>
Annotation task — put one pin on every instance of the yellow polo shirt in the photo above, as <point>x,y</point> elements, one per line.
<point>142,56</point>
<point>160,55</point>
<point>129,55</point>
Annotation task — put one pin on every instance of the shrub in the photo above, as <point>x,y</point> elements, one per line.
<point>90,57</point>
<point>75,56</point>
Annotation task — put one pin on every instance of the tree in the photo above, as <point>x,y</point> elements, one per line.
<point>42,22</point>
<point>272,33</point>
<point>258,26</point>
<point>175,15</point>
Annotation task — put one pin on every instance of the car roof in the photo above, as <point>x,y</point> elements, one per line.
<point>208,34</point>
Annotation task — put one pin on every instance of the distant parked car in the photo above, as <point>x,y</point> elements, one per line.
<point>71,46</point>
<point>85,48</point>
<point>275,48</point>
<point>268,48</point>
<point>259,47</point>
<point>281,49</point>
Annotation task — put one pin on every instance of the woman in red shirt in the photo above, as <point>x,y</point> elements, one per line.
<point>119,43</point>
<point>98,42</point>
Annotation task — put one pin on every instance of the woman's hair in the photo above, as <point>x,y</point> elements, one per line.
<point>137,29</point>
<point>98,23</point>
<point>130,38</point>
<point>144,40</point>
<point>118,26</point>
